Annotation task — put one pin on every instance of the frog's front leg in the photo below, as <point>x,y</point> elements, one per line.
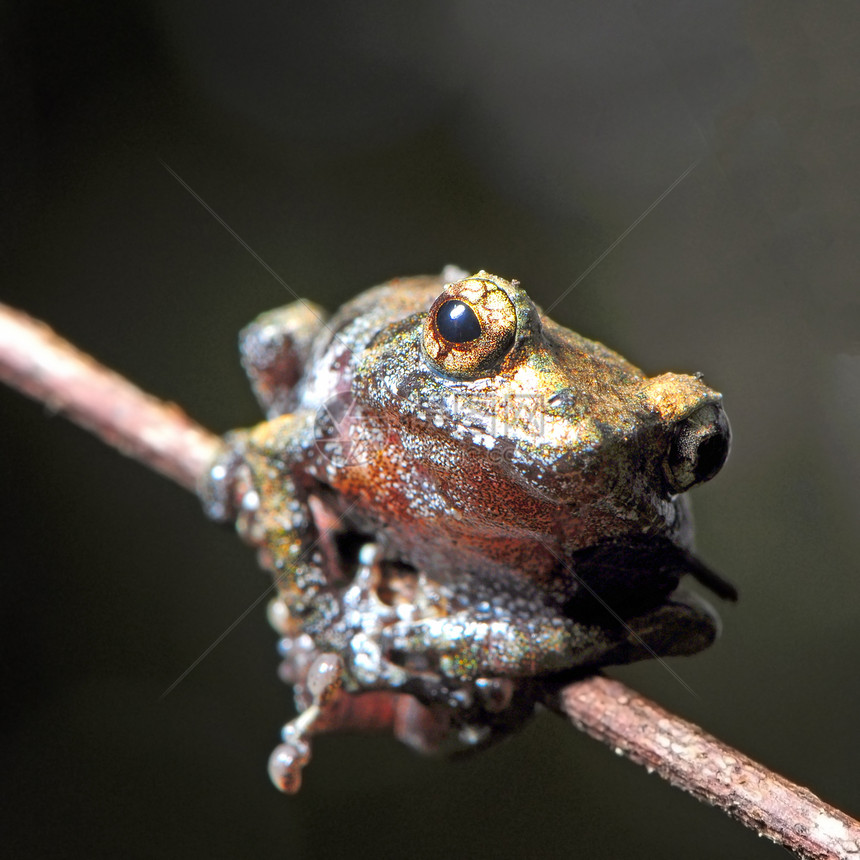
<point>470,644</point>
<point>470,647</point>
<point>275,348</point>
<point>257,483</point>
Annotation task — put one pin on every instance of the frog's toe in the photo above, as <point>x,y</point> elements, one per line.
<point>324,682</point>
<point>275,348</point>
<point>225,483</point>
<point>684,624</point>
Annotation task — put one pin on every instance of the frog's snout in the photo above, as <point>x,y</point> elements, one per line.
<point>698,447</point>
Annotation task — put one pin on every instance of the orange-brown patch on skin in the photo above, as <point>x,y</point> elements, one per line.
<point>673,396</point>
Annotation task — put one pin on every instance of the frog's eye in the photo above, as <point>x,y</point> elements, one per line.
<point>457,322</point>
<point>470,328</point>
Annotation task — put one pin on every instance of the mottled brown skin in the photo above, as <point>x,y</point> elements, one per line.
<point>521,489</point>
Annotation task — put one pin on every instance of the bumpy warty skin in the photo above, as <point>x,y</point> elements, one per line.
<point>520,486</point>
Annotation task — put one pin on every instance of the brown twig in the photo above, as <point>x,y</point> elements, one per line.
<point>160,435</point>
<point>42,365</point>
<point>710,770</point>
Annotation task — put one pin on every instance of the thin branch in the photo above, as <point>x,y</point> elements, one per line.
<point>160,435</point>
<point>42,365</point>
<point>689,758</point>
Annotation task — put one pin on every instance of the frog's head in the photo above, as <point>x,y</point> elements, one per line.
<point>541,411</point>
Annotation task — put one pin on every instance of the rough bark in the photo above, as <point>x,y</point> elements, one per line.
<point>689,758</point>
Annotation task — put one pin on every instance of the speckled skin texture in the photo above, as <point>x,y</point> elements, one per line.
<point>518,496</point>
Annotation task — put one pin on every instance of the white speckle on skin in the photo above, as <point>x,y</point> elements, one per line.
<point>484,439</point>
<point>367,554</point>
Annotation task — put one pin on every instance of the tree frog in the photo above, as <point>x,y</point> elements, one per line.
<point>462,501</point>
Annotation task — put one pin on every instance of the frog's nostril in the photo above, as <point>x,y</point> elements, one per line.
<point>699,447</point>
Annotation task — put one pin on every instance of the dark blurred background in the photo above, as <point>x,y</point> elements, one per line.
<point>348,143</point>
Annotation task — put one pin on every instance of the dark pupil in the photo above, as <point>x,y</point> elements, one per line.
<point>457,322</point>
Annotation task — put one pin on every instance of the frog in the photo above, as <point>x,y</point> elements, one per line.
<point>463,503</point>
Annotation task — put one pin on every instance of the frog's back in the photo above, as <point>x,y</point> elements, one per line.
<point>342,341</point>
<point>369,312</point>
